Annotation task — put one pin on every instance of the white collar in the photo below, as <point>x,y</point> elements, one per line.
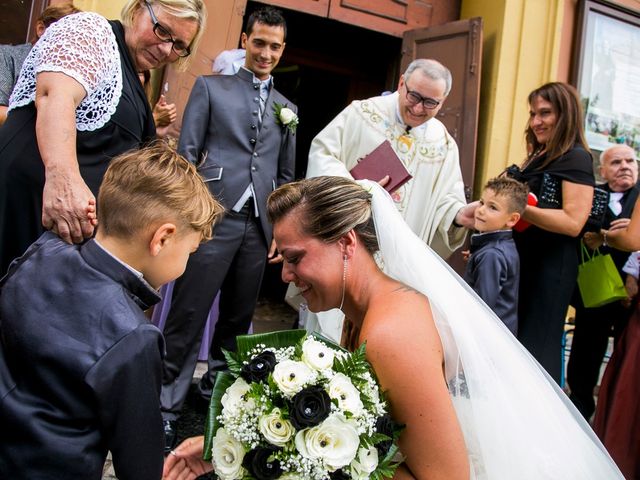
<point>129,267</point>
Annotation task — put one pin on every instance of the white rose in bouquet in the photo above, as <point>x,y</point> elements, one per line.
<point>364,464</point>
<point>236,397</point>
<point>335,441</point>
<point>348,397</point>
<point>275,429</point>
<point>227,456</point>
<point>291,376</point>
<point>316,354</point>
<point>297,408</point>
<point>287,115</point>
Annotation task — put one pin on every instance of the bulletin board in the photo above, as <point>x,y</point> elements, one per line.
<point>607,74</point>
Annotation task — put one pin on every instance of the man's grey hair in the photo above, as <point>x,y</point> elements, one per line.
<point>432,69</point>
<point>608,152</point>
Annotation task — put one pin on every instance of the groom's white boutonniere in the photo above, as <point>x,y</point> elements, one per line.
<point>286,117</point>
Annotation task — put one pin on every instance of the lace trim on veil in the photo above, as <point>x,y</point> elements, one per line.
<point>82,46</point>
<point>516,421</point>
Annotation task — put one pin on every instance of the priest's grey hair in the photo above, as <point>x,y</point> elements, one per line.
<point>432,69</point>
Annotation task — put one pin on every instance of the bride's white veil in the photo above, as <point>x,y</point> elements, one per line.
<point>517,422</point>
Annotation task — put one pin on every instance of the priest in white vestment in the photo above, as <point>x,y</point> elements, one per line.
<point>433,202</point>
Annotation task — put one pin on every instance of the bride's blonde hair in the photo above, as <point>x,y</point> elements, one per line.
<point>327,207</point>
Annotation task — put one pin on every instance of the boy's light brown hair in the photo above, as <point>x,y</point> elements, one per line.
<point>144,188</point>
<point>515,192</point>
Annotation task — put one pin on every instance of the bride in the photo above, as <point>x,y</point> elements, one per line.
<point>476,405</point>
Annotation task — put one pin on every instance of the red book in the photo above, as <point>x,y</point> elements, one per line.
<point>380,162</point>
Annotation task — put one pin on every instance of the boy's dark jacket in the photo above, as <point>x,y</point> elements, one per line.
<point>493,271</point>
<point>80,366</point>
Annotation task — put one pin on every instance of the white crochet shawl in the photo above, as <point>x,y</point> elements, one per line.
<point>82,46</point>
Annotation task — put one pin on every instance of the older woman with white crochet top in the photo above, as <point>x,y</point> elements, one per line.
<point>77,104</point>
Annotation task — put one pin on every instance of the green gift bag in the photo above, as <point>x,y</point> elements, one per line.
<point>598,279</point>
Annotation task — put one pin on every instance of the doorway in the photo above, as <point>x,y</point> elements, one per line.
<point>17,24</point>
<point>327,64</point>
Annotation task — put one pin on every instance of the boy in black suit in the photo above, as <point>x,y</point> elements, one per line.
<point>80,364</point>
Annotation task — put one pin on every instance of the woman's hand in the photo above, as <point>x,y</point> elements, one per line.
<point>593,240</point>
<point>68,207</point>
<point>628,237</point>
<point>618,224</point>
<point>185,462</point>
<point>164,113</point>
<point>66,198</point>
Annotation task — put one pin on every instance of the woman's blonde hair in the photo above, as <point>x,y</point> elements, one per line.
<point>328,208</point>
<point>192,10</point>
<point>153,185</point>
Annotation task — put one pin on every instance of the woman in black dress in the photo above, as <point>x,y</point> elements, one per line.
<point>558,167</point>
<point>77,104</point>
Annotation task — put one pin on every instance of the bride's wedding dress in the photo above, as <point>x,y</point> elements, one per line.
<point>517,423</point>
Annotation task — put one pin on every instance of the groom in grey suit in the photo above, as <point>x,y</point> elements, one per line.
<point>232,132</point>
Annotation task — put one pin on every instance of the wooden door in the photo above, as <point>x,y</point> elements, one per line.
<point>458,45</point>
<point>392,17</point>
<point>18,20</point>
<point>222,32</point>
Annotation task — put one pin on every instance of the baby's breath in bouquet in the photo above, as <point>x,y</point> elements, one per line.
<point>298,407</point>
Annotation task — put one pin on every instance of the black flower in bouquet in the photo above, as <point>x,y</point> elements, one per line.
<point>297,406</point>
<point>261,464</point>
<point>259,368</point>
<point>339,474</point>
<point>309,407</point>
<point>387,426</point>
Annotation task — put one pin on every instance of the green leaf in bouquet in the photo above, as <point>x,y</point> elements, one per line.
<point>387,467</point>
<point>223,381</point>
<point>233,364</point>
<point>280,339</point>
<point>373,440</point>
<point>354,365</point>
<point>257,392</point>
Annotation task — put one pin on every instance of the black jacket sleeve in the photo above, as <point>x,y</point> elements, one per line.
<point>126,382</point>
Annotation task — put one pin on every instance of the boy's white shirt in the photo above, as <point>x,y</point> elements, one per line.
<point>133,270</point>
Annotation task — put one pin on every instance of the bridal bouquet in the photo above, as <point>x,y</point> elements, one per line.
<point>298,407</point>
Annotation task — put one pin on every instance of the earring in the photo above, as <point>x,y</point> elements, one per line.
<point>344,281</point>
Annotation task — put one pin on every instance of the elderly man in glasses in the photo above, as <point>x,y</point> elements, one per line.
<point>433,201</point>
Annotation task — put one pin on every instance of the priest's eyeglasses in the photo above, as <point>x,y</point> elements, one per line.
<point>163,34</point>
<point>414,98</point>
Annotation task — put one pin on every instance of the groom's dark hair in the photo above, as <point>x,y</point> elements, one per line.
<point>267,16</point>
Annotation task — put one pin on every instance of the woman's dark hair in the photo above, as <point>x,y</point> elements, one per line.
<point>267,16</point>
<point>327,208</point>
<point>569,129</point>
